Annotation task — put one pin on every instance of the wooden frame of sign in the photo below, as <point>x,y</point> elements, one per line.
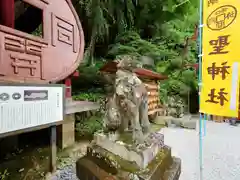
<point>52,124</point>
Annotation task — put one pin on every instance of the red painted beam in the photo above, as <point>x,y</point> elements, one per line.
<point>142,72</point>
<point>68,86</point>
<point>111,67</point>
<point>7,13</point>
<point>76,74</point>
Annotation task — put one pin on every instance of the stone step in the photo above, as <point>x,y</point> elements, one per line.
<point>174,172</point>
<point>157,168</point>
<point>86,168</point>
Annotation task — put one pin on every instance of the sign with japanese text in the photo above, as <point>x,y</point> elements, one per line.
<point>220,58</point>
<point>26,106</point>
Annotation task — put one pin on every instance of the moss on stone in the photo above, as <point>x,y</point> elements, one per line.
<point>114,161</point>
<point>156,127</point>
<point>161,163</point>
<point>126,137</point>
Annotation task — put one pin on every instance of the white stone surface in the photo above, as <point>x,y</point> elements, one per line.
<point>142,157</point>
<point>221,151</point>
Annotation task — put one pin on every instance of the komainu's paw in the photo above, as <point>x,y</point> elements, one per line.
<point>146,129</point>
<point>138,137</point>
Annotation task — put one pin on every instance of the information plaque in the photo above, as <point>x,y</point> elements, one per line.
<point>23,107</point>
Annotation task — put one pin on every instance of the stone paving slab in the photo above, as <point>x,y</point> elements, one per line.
<point>221,151</point>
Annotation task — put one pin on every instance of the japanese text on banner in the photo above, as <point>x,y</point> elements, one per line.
<point>221,58</point>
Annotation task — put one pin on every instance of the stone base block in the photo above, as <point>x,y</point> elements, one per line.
<point>174,171</point>
<point>163,167</point>
<point>142,155</point>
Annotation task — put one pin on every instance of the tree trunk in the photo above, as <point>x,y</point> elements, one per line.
<point>91,48</point>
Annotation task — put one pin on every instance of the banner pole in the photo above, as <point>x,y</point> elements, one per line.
<point>199,88</point>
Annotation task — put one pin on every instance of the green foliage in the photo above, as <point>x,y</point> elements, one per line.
<point>88,127</point>
<point>94,97</point>
<point>131,43</point>
<point>158,29</point>
<point>168,51</point>
<point>154,28</point>
<point>90,79</point>
<point>39,31</point>
<point>104,20</point>
<point>176,63</point>
<point>4,175</point>
<point>181,79</point>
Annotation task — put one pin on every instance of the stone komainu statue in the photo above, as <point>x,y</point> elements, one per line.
<point>127,108</point>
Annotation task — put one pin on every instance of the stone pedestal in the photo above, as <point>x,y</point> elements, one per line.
<point>109,156</point>
<point>66,132</point>
<point>141,155</point>
<point>96,166</point>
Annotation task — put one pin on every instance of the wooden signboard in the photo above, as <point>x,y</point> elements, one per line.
<point>28,58</point>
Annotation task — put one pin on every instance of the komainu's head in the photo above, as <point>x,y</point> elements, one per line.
<point>128,62</point>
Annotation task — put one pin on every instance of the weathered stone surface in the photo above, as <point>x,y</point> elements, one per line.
<point>175,106</point>
<point>163,167</point>
<point>185,122</point>
<point>141,155</point>
<point>66,132</point>
<point>127,108</point>
<point>87,168</point>
<point>174,172</point>
<point>157,168</point>
<point>162,120</point>
<point>192,124</point>
<point>128,147</point>
<point>177,121</point>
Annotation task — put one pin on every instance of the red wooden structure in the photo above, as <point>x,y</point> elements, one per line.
<point>7,13</point>
<point>52,58</point>
<point>111,67</point>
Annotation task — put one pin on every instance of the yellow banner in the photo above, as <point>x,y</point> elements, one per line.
<point>220,58</point>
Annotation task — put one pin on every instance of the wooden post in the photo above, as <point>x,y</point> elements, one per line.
<point>53,144</point>
<point>68,84</point>
<point>7,18</point>
<point>68,92</point>
<point>66,131</point>
<point>7,13</point>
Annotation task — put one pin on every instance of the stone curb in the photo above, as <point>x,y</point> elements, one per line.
<point>184,122</point>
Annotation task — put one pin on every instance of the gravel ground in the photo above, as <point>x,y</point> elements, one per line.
<point>221,151</point>
<point>67,167</point>
<point>67,173</point>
